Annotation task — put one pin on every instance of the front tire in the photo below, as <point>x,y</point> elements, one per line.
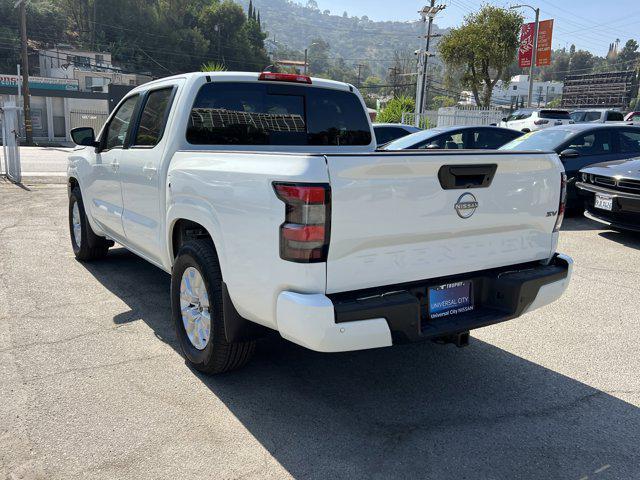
<point>197,310</point>
<point>86,244</point>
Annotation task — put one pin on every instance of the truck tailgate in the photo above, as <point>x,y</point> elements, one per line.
<point>394,220</point>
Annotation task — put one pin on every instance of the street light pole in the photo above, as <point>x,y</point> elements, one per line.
<point>535,49</point>
<point>306,62</point>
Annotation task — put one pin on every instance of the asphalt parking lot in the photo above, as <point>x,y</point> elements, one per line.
<point>92,384</point>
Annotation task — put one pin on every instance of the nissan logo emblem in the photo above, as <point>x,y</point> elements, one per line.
<point>466,205</point>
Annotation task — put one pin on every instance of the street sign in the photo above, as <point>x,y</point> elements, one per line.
<point>543,53</point>
<point>525,50</point>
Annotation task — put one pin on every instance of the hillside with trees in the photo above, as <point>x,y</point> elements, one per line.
<point>161,37</point>
<point>293,26</point>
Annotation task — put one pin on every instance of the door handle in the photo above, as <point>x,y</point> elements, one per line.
<point>115,165</point>
<point>149,171</point>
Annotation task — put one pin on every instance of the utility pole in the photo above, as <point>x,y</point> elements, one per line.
<point>421,84</point>
<point>393,74</point>
<point>360,66</point>
<point>535,49</point>
<point>28,131</point>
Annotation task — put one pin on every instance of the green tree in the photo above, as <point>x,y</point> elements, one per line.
<point>481,50</point>
<point>213,67</point>
<point>393,110</point>
<point>629,55</point>
<point>318,55</point>
<point>581,62</point>
<point>442,101</point>
<point>159,36</point>
<point>555,103</point>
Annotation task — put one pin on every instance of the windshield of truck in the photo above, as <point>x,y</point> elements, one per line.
<point>544,140</point>
<point>267,114</point>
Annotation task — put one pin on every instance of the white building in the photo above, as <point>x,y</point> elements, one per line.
<point>93,70</point>
<point>517,91</point>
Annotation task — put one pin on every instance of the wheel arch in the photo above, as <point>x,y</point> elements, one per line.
<point>72,182</point>
<point>189,217</point>
<point>185,228</point>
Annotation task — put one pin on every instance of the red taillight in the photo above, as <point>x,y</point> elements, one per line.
<point>541,122</point>
<point>304,235</point>
<point>563,201</point>
<point>284,77</point>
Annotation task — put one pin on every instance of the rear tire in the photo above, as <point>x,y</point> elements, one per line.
<point>207,351</point>
<point>86,244</point>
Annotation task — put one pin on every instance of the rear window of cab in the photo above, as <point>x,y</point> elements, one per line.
<point>270,114</point>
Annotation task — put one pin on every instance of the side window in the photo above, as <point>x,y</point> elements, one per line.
<point>629,141</point>
<point>577,116</point>
<point>446,141</point>
<point>592,116</point>
<point>387,134</point>
<point>119,126</point>
<point>439,141</point>
<point>154,115</point>
<point>592,143</point>
<point>488,139</point>
<point>615,117</point>
<point>514,116</point>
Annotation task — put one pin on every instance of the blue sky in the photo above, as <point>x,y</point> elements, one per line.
<point>589,24</point>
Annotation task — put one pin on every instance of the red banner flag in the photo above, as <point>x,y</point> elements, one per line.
<point>525,49</point>
<point>543,52</point>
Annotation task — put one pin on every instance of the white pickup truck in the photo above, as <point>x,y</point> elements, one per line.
<point>264,197</point>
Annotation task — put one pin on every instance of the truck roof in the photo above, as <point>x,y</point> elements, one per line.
<point>244,77</point>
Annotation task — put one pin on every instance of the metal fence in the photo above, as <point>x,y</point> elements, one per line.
<point>450,116</point>
<point>86,118</point>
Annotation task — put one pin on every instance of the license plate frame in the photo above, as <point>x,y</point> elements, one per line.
<point>450,299</point>
<point>603,202</point>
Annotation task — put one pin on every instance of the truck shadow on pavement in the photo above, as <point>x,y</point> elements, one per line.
<point>412,411</point>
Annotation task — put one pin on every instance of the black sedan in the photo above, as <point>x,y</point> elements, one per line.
<point>611,193</point>
<point>581,145</point>
<point>470,137</point>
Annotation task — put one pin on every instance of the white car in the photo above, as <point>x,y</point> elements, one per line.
<point>264,198</point>
<point>529,120</point>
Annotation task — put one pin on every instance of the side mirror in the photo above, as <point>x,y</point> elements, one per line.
<point>569,153</point>
<point>84,136</point>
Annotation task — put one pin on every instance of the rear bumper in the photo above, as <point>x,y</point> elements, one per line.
<point>398,314</point>
<point>626,207</point>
